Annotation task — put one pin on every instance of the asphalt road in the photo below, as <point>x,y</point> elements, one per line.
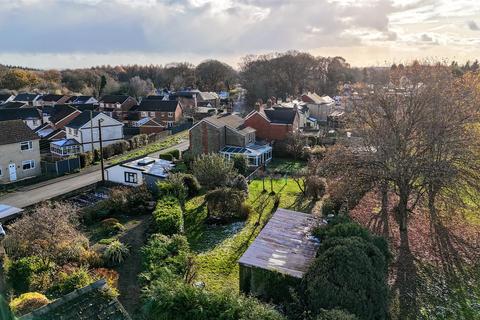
<point>46,190</point>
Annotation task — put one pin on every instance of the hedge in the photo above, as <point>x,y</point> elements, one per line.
<point>167,216</point>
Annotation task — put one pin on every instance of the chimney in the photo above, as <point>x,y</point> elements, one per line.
<point>269,103</point>
<point>258,107</point>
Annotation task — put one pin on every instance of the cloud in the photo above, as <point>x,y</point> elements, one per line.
<point>137,30</point>
<point>473,25</point>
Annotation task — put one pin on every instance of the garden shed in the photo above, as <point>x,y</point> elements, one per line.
<point>280,255</point>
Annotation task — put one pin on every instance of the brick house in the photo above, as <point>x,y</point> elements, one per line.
<point>167,113</point>
<point>52,99</point>
<point>116,106</point>
<point>228,134</point>
<point>320,107</point>
<point>273,124</point>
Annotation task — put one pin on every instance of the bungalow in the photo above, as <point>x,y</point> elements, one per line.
<point>4,98</point>
<point>52,99</point>
<point>116,106</point>
<point>166,112</point>
<point>285,246</point>
<point>229,135</point>
<point>273,124</point>
<point>84,130</point>
<point>30,98</point>
<point>19,152</point>
<point>148,125</point>
<point>135,173</point>
<point>30,116</point>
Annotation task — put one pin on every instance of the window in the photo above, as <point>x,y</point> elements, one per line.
<point>70,130</point>
<point>28,164</point>
<point>131,177</point>
<point>152,114</point>
<point>169,124</point>
<point>1,172</point>
<point>170,114</point>
<point>27,145</point>
<point>144,114</point>
<point>35,122</point>
<point>75,132</point>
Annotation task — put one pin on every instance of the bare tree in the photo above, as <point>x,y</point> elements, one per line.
<point>138,87</point>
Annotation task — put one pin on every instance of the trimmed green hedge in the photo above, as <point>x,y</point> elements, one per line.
<point>167,216</point>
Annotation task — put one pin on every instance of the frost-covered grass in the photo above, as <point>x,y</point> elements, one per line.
<point>220,247</point>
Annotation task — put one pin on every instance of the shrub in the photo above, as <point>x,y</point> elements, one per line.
<point>21,272</point>
<point>334,314</point>
<point>92,258</point>
<point>240,183</point>
<point>111,226</point>
<point>165,188</point>
<point>175,153</point>
<point>240,163</point>
<point>163,252</point>
<point>192,185</point>
<point>349,272</point>
<point>166,156</point>
<point>69,280</point>
<point>315,187</point>
<point>168,216</point>
<point>212,170</point>
<point>225,204</point>
<point>111,276</point>
<point>28,302</point>
<point>116,252</point>
<point>330,207</point>
<point>177,300</point>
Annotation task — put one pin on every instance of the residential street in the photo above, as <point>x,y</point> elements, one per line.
<point>29,195</point>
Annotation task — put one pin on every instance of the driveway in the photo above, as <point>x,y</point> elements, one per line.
<point>30,195</point>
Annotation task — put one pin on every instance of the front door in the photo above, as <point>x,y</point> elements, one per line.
<point>12,170</point>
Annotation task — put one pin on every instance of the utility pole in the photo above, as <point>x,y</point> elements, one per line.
<point>91,130</point>
<point>101,149</point>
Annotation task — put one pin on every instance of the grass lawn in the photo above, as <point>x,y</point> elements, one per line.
<point>287,166</point>
<point>220,247</point>
<point>151,148</point>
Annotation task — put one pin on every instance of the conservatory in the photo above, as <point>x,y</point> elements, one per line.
<point>65,147</point>
<point>256,154</point>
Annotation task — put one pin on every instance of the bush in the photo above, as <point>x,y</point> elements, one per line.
<point>335,314</point>
<point>350,272</point>
<point>240,183</point>
<point>315,187</point>
<point>166,156</point>
<point>177,300</point>
<point>240,163</point>
<point>28,302</point>
<point>330,207</point>
<point>225,204</point>
<point>21,272</point>
<point>163,252</point>
<point>116,252</point>
<point>212,170</point>
<point>111,276</point>
<point>67,281</point>
<point>168,216</point>
<point>192,185</point>
<point>175,153</point>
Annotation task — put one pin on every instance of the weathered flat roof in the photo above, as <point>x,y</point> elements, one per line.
<point>285,244</point>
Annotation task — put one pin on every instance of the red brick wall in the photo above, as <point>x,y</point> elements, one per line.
<point>148,130</point>
<point>266,130</point>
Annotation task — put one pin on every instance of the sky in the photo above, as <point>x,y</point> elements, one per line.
<point>83,33</point>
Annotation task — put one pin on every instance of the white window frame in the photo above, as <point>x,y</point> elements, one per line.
<point>30,162</point>
<point>169,124</point>
<point>144,114</point>
<point>130,175</point>
<point>29,145</point>
<point>152,114</point>
<point>170,114</point>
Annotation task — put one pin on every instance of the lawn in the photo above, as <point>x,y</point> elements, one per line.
<point>220,247</point>
<point>153,147</point>
<point>286,166</point>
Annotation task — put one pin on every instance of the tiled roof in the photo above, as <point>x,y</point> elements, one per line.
<point>60,111</point>
<point>282,116</point>
<point>51,97</point>
<point>81,119</point>
<point>92,302</point>
<point>231,120</point>
<point>114,99</point>
<point>157,105</point>
<point>26,97</point>
<point>14,131</point>
<point>4,97</point>
<point>16,114</point>
<point>12,105</point>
